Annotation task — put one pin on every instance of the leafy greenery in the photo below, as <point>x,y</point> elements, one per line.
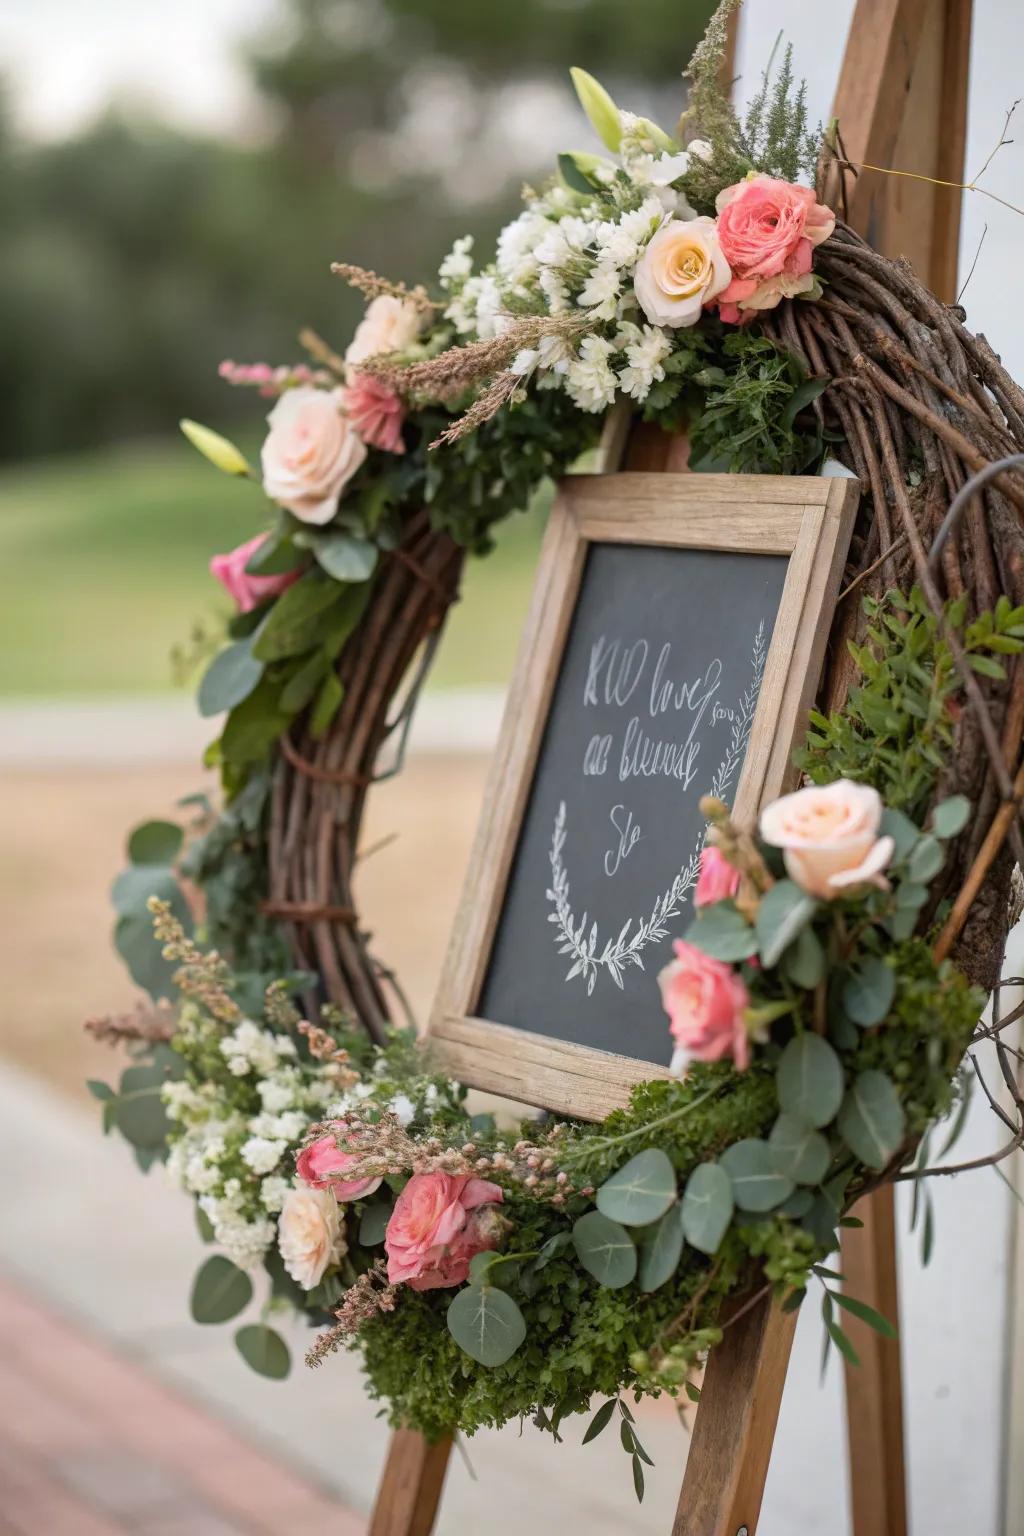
<point>754,418</point>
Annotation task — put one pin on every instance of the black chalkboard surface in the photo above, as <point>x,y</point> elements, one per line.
<point>651,710</point>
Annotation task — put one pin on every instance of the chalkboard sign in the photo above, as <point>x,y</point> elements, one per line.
<point>673,646</point>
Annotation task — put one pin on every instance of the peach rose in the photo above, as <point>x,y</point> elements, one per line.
<point>436,1227</point>
<point>248,591</point>
<point>320,1164</point>
<point>310,1235</point>
<point>829,836</point>
<point>375,411</point>
<point>389,325</point>
<point>681,270</point>
<point>310,454</point>
<point>767,229</point>
<point>705,999</point>
<point>717,879</point>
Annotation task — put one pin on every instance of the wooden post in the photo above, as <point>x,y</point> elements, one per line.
<point>734,1429</point>
<point>410,1485</point>
<point>901,103</point>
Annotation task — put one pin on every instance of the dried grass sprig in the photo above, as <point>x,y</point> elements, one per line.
<point>153,1025</point>
<point>201,975</point>
<point>368,1296</point>
<point>372,286</point>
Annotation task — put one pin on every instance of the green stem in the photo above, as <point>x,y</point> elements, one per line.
<point>644,1130</point>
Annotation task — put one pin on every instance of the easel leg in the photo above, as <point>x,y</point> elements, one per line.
<point>410,1487</point>
<point>735,1425</point>
<point>874,1396</point>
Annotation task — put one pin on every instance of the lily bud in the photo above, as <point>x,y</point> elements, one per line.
<point>220,452</point>
<point>599,107</point>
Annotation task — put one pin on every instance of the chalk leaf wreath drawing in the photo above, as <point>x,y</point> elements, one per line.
<point>825,994</point>
<point>635,935</point>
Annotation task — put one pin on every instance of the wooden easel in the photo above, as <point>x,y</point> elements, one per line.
<point>901,103</point>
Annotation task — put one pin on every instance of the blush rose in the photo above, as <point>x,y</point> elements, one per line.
<point>248,591</point>
<point>389,325</point>
<point>322,1165</point>
<point>310,1235</point>
<point>439,1222</point>
<point>717,880</point>
<point>705,1002</point>
<point>830,839</point>
<point>768,229</point>
<point>681,270</point>
<point>310,454</point>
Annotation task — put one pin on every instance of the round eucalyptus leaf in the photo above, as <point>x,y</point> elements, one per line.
<point>805,959</point>
<point>605,1249</point>
<point>950,816</point>
<point>898,826</point>
<point>869,991</point>
<point>345,557</point>
<point>486,1323</point>
<point>155,842</point>
<point>639,1192</point>
<point>133,887</point>
<point>810,1080</point>
<point>138,1109</point>
<point>707,1207</point>
<point>757,1184</point>
<point>231,676</point>
<point>661,1248</point>
<point>264,1350</point>
<point>926,860</point>
<point>373,1223</point>
<point>871,1120</point>
<point>220,1291</point>
<point>802,1154</point>
<point>723,933</point>
<point>781,916</point>
<point>135,943</point>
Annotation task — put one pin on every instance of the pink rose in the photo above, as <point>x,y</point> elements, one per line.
<point>310,454</point>
<point>829,834</point>
<point>767,230</point>
<point>437,1226</point>
<point>248,591</point>
<point>376,412</point>
<point>390,324</point>
<point>319,1165</point>
<point>705,999</point>
<point>717,881</point>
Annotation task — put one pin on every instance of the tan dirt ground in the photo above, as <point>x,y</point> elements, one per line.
<point>62,837</point>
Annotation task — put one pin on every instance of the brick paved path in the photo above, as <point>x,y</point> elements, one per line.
<point>92,1446</point>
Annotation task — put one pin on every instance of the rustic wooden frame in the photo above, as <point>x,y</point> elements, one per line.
<point>807,519</point>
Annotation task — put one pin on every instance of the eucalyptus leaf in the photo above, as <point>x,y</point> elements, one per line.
<point>220,1291</point>
<point>871,1120</point>
<point>898,826</point>
<point>139,1113</point>
<point>805,959</point>
<point>821,1219</point>
<point>782,913</point>
<point>373,1223</point>
<point>810,1080</point>
<point>800,1152</point>
<point>707,1207</point>
<point>950,816</point>
<point>231,676</point>
<point>757,1184</point>
<point>297,619</point>
<point>869,991</point>
<point>143,956</point>
<point>723,932</point>
<point>641,1191</point>
<point>264,1350</point>
<point>926,860</point>
<point>344,556</point>
<point>155,842</point>
<point>661,1248</point>
<point>486,1323</point>
<point>605,1249</point>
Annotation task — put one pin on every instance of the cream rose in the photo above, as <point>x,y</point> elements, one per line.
<point>310,454</point>
<point>829,837</point>
<point>681,270</point>
<point>389,325</point>
<point>310,1235</point>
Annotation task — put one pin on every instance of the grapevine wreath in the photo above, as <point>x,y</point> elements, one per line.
<point>826,985</point>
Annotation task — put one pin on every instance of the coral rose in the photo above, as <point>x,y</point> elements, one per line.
<point>389,325</point>
<point>829,837</point>
<point>248,591</point>
<point>375,411</point>
<point>320,1164</point>
<point>705,1000</point>
<point>436,1227</point>
<point>717,879</point>
<point>310,1235</point>
<point>310,454</point>
<point>681,270</point>
<point>768,229</point>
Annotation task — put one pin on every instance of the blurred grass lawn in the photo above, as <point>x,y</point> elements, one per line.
<point>105,569</point>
